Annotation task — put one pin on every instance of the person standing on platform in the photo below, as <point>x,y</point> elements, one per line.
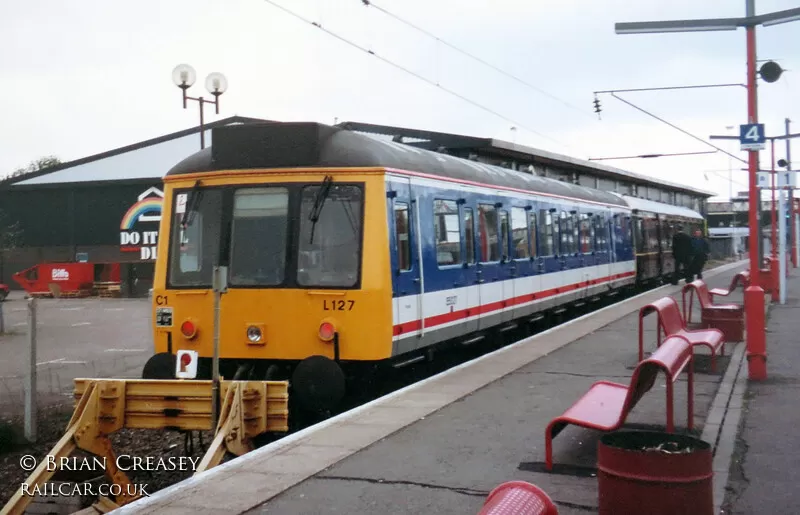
<point>700,252</point>
<point>682,252</point>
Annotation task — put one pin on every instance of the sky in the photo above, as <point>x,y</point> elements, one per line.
<point>88,76</point>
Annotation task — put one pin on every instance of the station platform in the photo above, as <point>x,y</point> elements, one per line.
<point>441,445</point>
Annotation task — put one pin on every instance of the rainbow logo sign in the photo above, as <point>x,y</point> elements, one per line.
<point>147,209</point>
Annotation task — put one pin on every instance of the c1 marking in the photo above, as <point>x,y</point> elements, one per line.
<point>338,305</point>
<point>161,300</point>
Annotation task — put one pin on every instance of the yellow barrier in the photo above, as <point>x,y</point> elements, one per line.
<point>103,406</point>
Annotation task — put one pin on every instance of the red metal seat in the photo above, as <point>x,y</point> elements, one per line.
<point>671,322</point>
<point>729,318</point>
<point>518,498</point>
<point>742,278</point>
<point>606,405</point>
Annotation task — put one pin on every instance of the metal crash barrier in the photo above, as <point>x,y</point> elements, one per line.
<point>103,406</point>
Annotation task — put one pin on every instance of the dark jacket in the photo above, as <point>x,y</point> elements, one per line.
<point>700,248</point>
<point>681,246</point>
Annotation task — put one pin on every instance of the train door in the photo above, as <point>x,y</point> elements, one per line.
<point>488,268</point>
<point>549,263</point>
<point>526,260</point>
<point>587,253</point>
<point>602,243</point>
<point>471,258</point>
<point>407,287</point>
<point>508,268</point>
<point>571,274</point>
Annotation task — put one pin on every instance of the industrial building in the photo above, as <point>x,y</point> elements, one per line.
<point>106,208</point>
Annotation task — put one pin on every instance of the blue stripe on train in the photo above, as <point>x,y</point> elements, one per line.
<point>437,278</point>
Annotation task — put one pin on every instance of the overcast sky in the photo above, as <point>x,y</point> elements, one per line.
<point>87,76</point>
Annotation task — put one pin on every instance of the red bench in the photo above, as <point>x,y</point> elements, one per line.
<point>742,278</point>
<point>518,498</point>
<point>728,318</point>
<point>671,322</point>
<point>606,405</point>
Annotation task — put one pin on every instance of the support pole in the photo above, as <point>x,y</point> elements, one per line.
<point>220,286</point>
<point>774,211</point>
<point>793,238</point>
<point>796,218</point>
<point>30,376</point>
<point>754,294</point>
<point>782,247</point>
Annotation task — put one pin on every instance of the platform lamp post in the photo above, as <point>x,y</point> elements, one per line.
<point>754,295</point>
<point>184,76</point>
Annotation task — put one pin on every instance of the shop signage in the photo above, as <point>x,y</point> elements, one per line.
<point>139,226</point>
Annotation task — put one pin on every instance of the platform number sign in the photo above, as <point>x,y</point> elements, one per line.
<point>752,136</point>
<point>763,180</point>
<point>787,179</point>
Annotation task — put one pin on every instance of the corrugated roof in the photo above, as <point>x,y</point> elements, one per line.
<point>144,160</point>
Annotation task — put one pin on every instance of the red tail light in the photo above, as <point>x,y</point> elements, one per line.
<point>326,331</point>
<point>188,329</point>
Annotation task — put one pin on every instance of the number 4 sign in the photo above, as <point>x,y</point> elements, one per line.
<point>752,136</point>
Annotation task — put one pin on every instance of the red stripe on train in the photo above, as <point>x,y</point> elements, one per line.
<point>444,318</point>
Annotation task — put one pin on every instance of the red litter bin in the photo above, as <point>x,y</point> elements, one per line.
<point>518,498</point>
<point>655,473</point>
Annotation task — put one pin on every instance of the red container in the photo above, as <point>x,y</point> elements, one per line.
<point>69,277</point>
<point>729,321</point>
<point>633,480</point>
<point>518,498</point>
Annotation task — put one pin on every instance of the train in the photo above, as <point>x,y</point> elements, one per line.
<point>344,252</point>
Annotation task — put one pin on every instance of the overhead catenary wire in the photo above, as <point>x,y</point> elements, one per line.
<point>416,75</point>
<point>678,128</point>
<point>370,3</point>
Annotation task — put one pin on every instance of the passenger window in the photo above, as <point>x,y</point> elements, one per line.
<point>519,233</point>
<point>505,239</point>
<point>547,229</point>
<point>533,229</point>
<point>601,230</point>
<point>447,231</point>
<point>469,234</point>
<point>586,234</point>
<point>566,233</point>
<point>576,233</point>
<point>487,233</point>
<point>402,236</point>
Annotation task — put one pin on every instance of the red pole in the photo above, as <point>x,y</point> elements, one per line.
<point>774,207</point>
<point>754,294</point>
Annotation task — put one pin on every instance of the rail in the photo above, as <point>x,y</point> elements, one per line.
<point>103,406</point>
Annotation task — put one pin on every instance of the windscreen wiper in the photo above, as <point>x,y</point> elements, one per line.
<point>194,198</point>
<point>319,201</point>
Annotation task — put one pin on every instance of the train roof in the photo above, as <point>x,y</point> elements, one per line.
<point>651,206</point>
<point>309,144</point>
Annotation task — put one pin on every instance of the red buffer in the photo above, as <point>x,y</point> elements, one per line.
<point>518,498</point>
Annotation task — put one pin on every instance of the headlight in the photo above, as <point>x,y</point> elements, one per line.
<point>254,334</point>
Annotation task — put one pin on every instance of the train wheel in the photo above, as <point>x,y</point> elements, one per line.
<point>318,384</point>
<point>159,366</point>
